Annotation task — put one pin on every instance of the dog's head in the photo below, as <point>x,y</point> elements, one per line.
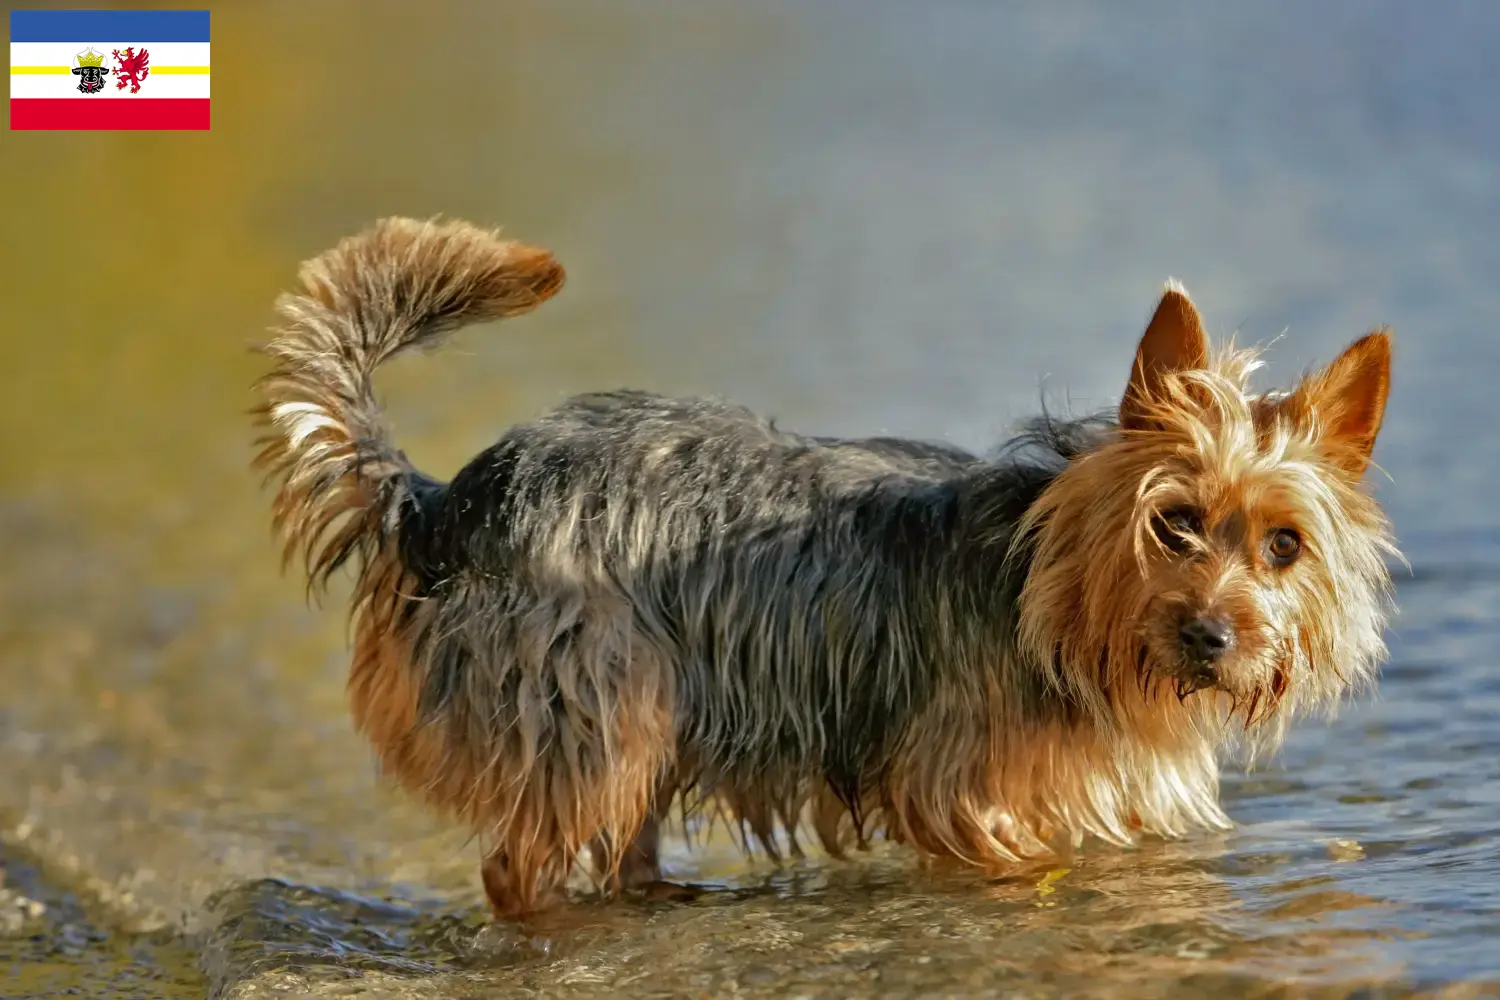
<point>1218,555</point>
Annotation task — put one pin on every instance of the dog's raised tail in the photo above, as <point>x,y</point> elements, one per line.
<point>340,480</point>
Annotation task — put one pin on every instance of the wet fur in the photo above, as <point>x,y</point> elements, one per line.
<point>635,600</point>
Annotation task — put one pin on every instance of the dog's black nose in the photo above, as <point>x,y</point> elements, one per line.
<point>1205,640</point>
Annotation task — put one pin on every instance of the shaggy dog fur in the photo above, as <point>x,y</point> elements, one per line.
<point>635,600</point>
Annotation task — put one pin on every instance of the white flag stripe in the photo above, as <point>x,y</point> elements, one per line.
<point>62,53</point>
<point>165,85</point>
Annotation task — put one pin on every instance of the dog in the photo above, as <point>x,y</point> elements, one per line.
<point>635,600</point>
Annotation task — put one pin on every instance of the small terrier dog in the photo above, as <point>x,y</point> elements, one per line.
<point>634,600</point>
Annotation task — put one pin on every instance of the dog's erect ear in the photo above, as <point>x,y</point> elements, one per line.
<point>1348,398</point>
<point>1173,342</point>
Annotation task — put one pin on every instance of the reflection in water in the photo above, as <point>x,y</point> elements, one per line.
<point>871,218</point>
<point>1135,922</point>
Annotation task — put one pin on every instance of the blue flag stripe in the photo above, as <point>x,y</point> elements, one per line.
<point>94,26</point>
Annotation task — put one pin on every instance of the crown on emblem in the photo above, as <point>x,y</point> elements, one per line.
<point>89,57</point>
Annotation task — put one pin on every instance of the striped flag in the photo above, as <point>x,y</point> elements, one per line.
<point>109,69</point>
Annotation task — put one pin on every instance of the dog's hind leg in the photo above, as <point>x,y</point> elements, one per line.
<point>638,864</point>
<point>638,868</point>
<point>519,890</point>
<point>585,766</point>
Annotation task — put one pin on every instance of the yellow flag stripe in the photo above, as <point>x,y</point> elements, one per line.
<point>64,70</point>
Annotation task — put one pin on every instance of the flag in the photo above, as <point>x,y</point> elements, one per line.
<point>109,69</point>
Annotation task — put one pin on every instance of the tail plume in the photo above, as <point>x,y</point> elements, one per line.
<point>340,480</point>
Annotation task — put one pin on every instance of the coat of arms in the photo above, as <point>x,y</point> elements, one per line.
<point>89,67</point>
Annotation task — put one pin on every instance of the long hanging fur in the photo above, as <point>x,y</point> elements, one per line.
<point>633,599</point>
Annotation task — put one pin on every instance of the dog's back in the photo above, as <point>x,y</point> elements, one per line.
<point>625,532</point>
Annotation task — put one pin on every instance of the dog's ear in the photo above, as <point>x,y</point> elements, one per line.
<point>1348,400</point>
<point>1173,342</point>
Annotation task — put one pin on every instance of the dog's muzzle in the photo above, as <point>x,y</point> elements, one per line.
<point>1203,643</point>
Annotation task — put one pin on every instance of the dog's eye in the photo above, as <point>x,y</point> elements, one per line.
<point>1174,527</point>
<point>1284,546</point>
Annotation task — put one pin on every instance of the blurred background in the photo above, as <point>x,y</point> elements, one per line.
<point>862,217</point>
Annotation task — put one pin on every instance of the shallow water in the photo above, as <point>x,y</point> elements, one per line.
<point>50,946</point>
<point>862,217</point>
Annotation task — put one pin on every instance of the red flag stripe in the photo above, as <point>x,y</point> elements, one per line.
<point>81,113</point>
